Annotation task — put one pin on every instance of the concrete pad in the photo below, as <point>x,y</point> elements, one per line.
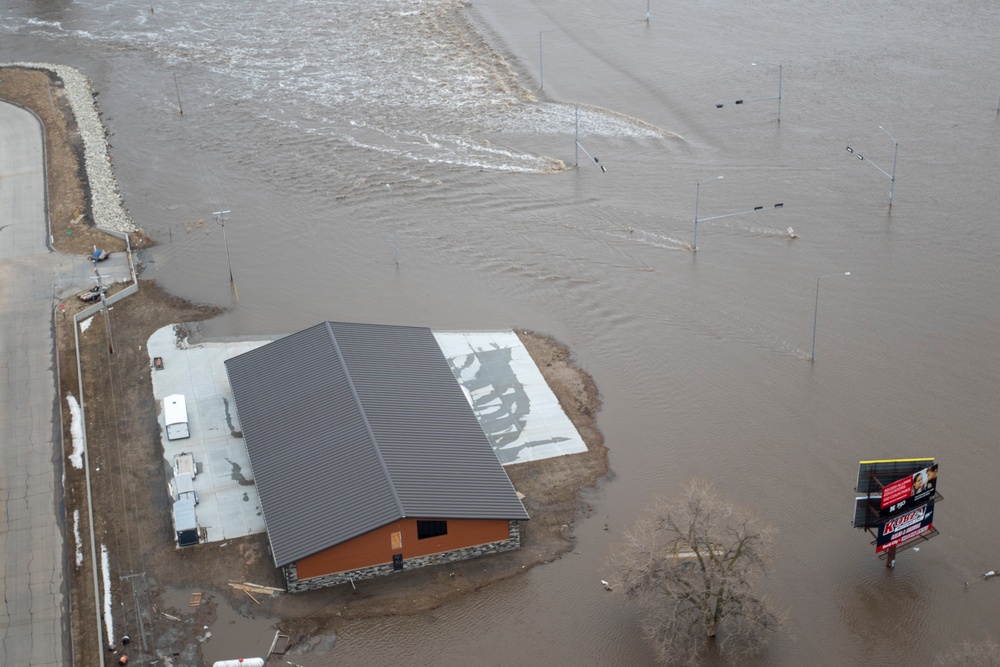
<point>228,505</point>
<point>515,406</point>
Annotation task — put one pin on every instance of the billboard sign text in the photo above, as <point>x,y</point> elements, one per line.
<point>909,491</point>
<point>904,527</point>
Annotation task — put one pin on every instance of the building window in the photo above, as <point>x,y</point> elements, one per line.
<point>427,529</point>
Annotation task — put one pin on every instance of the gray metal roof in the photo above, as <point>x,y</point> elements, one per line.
<point>352,426</point>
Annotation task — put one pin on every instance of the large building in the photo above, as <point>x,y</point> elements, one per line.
<point>367,456</point>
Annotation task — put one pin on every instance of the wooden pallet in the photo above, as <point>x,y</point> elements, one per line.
<point>195,599</point>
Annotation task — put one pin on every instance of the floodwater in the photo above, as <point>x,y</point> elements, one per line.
<point>297,116</point>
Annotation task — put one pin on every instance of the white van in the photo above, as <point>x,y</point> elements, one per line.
<point>175,417</point>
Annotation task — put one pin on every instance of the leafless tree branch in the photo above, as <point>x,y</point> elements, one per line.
<point>693,566</point>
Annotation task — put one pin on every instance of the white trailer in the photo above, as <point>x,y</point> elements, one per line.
<point>182,487</point>
<point>184,463</point>
<point>175,417</point>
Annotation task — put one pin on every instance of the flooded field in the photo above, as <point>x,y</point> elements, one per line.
<point>297,118</point>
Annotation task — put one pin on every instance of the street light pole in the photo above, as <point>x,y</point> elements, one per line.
<point>719,105</point>
<point>812,354</point>
<point>541,64</point>
<point>697,198</point>
<point>220,217</point>
<point>895,154</point>
<point>779,93</point>
<point>779,86</point>
<point>579,146</point>
<point>392,204</point>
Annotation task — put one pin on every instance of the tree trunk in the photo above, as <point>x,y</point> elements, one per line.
<point>712,617</point>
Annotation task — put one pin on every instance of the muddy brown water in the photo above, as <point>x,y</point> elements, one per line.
<point>297,116</point>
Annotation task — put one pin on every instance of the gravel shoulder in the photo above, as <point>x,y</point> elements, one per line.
<point>129,476</point>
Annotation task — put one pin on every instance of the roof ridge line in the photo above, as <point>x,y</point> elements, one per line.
<point>364,419</point>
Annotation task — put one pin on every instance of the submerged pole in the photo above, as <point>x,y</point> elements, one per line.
<point>178,89</point>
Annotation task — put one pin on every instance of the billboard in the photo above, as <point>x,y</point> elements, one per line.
<point>909,491</point>
<point>904,527</point>
<point>873,476</point>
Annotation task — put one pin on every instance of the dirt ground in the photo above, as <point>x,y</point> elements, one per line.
<point>129,474</point>
<point>71,222</point>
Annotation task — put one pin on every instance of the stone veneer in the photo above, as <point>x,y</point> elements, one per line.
<point>295,585</point>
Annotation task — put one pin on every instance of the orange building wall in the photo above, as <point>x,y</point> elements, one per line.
<point>375,547</point>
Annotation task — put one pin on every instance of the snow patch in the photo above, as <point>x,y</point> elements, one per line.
<point>86,323</point>
<point>76,431</point>
<point>106,576</point>
<point>76,534</point>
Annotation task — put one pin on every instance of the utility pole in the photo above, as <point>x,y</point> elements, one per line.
<point>580,147</point>
<point>135,598</point>
<point>392,203</point>
<point>107,318</point>
<point>176,87</point>
<point>220,217</point>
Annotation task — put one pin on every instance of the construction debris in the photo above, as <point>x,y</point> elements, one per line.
<point>983,576</point>
<point>255,588</point>
<point>280,644</point>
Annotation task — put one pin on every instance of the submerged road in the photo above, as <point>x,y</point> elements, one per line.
<point>34,626</point>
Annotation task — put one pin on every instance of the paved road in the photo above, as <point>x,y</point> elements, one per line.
<point>33,622</point>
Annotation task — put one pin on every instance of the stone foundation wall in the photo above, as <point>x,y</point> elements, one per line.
<point>295,585</point>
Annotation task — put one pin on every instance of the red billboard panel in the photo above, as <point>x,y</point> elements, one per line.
<point>909,491</point>
<point>873,476</point>
<point>903,527</point>
<point>899,490</point>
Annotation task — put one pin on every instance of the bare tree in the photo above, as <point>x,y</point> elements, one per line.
<point>693,566</point>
